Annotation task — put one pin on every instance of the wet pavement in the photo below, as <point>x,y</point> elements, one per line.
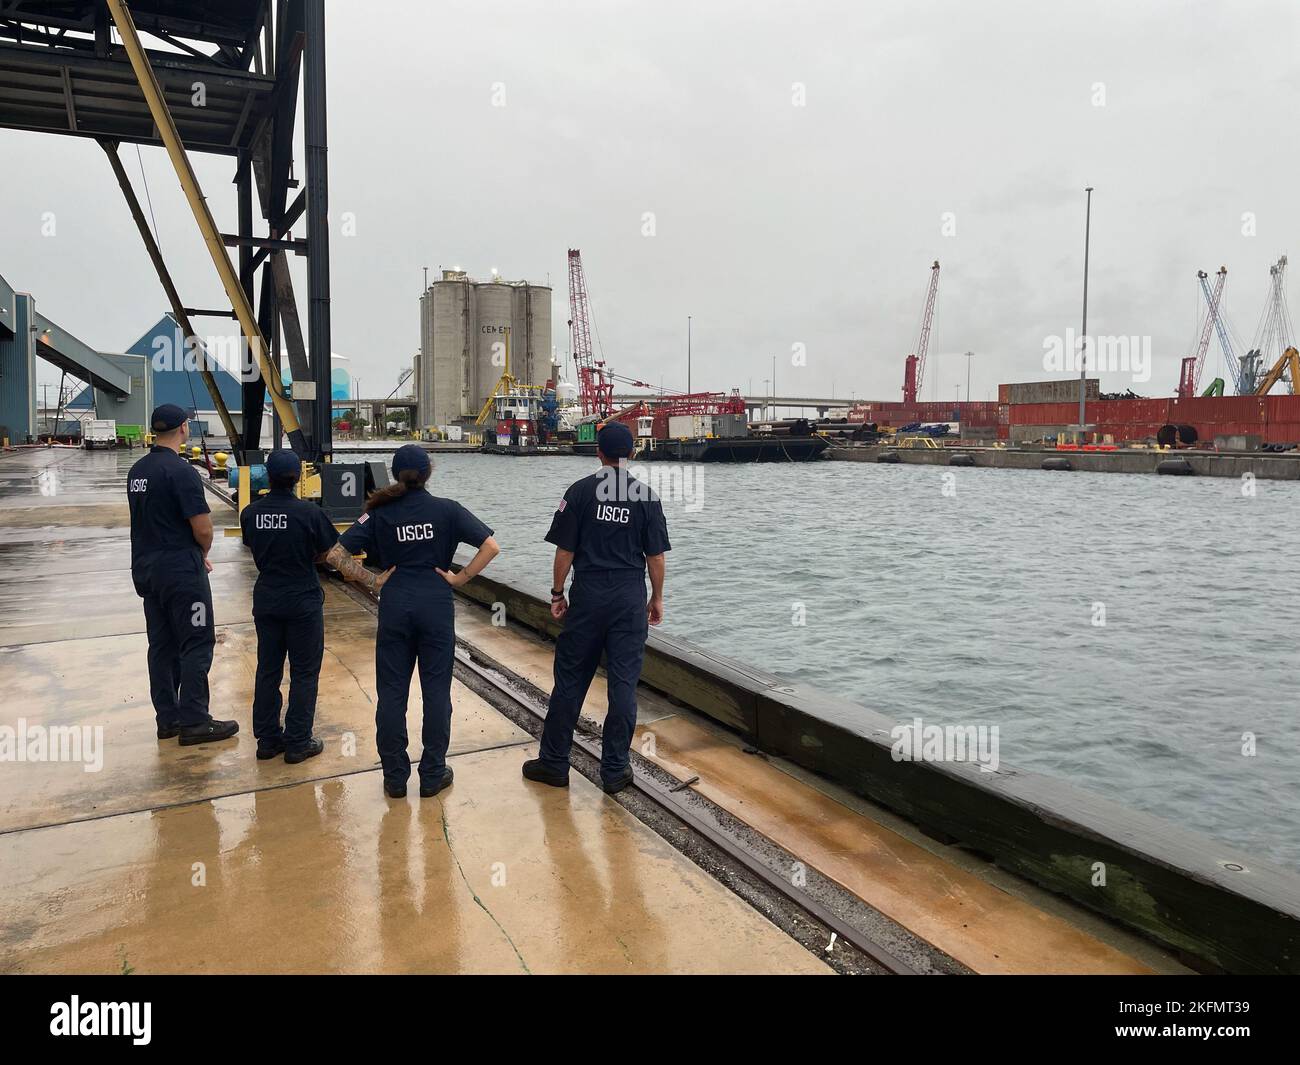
<point>134,854</point>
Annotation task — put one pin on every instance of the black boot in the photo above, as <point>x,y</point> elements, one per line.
<point>429,790</point>
<point>270,749</point>
<point>613,787</point>
<point>169,731</point>
<point>310,749</point>
<point>395,791</point>
<point>535,770</point>
<point>208,732</point>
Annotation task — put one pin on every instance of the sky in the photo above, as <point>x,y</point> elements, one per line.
<point>783,173</point>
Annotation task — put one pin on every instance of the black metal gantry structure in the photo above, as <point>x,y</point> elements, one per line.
<point>220,78</point>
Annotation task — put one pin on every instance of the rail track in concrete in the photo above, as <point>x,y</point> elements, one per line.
<point>669,800</point>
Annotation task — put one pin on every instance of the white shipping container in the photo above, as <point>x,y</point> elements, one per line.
<point>689,426</point>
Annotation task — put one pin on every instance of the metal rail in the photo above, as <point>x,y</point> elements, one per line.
<point>667,798</point>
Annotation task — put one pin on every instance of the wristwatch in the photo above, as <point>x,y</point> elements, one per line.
<point>557,595</point>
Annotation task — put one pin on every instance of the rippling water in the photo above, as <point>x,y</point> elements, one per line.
<point>977,607</point>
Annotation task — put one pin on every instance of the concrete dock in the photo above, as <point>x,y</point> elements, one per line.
<point>168,859</point>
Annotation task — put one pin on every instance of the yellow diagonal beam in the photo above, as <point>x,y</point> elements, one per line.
<point>211,235</point>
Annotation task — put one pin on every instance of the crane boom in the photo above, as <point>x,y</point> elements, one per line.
<point>1215,305</point>
<point>914,367</point>
<point>1275,334</point>
<point>595,385</point>
<point>1192,365</point>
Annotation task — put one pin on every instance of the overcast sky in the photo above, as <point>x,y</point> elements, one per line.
<point>782,215</point>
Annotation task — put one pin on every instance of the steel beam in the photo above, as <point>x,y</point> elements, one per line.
<point>318,261</point>
<point>198,205</point>
<point>173,297</point>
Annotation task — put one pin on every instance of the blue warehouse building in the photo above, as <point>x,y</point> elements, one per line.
<point>171,383</point>
<point>123,386</point>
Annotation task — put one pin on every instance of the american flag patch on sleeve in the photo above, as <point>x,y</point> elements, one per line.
<point>563,503</point>
<point>364,518</point>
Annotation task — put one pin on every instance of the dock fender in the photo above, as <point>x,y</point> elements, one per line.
<point>962,460</point>
<point>1175,467</point>
<point>888,456</point>
<point>1057,464</point>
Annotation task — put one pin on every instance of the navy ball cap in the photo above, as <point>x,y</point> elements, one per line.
<point>410,457</point>
<point>615,440</point>
<point>167,417</point>
<point>283,463</point>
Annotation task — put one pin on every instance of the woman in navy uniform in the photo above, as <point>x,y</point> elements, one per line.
<point>287,535</point>
<point>171,534</point>
<point>610,529</point>
<point>417,534</point>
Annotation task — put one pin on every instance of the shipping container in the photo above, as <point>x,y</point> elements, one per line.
<point>689,426</point>
<point>730,425</point>
<point>1057,390</point>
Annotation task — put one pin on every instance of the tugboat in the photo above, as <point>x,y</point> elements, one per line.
<point>521,417</point>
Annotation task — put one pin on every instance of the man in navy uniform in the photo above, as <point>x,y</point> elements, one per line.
<point>287,536</point>
<point>610,529</point>
<point>171,534</point>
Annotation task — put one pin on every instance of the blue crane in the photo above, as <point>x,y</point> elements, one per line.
<point>1213,301</point>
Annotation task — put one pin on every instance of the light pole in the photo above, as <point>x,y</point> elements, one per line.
<point>688,354</point>
<point>969,355</point>
<point>1083,351</point>
<point>773,388</point>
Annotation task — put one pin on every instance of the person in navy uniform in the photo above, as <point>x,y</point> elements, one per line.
<point>610,529</point>
<point>415,533</point>
<point>286,536</point>
<point>171,534</point>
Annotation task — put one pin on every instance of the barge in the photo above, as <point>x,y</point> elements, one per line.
<point>755,447</point>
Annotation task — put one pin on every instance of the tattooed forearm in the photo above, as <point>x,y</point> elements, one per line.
<point>351,569</point>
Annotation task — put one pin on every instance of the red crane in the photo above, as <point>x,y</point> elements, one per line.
<point>914,368</point>
<point>595,384</point>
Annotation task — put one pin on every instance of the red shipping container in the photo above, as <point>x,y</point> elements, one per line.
<point>1043,413</point>
<point>1282,433</point>
<point>1217,409</point>
<point>1282,408</point>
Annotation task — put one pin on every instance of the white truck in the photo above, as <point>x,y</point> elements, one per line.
<point>99,432</point>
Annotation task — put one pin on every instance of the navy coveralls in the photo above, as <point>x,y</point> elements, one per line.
<point>163,492</point>
<point>418,533</point>
<point>285,535</point>
<point>611,522</point>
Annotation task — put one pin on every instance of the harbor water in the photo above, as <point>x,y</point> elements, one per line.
<point>1129,634</point>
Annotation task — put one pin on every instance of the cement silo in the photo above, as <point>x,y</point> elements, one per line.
<point>495,318</point>
<point>530,337</point>
<point>463,329</point>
